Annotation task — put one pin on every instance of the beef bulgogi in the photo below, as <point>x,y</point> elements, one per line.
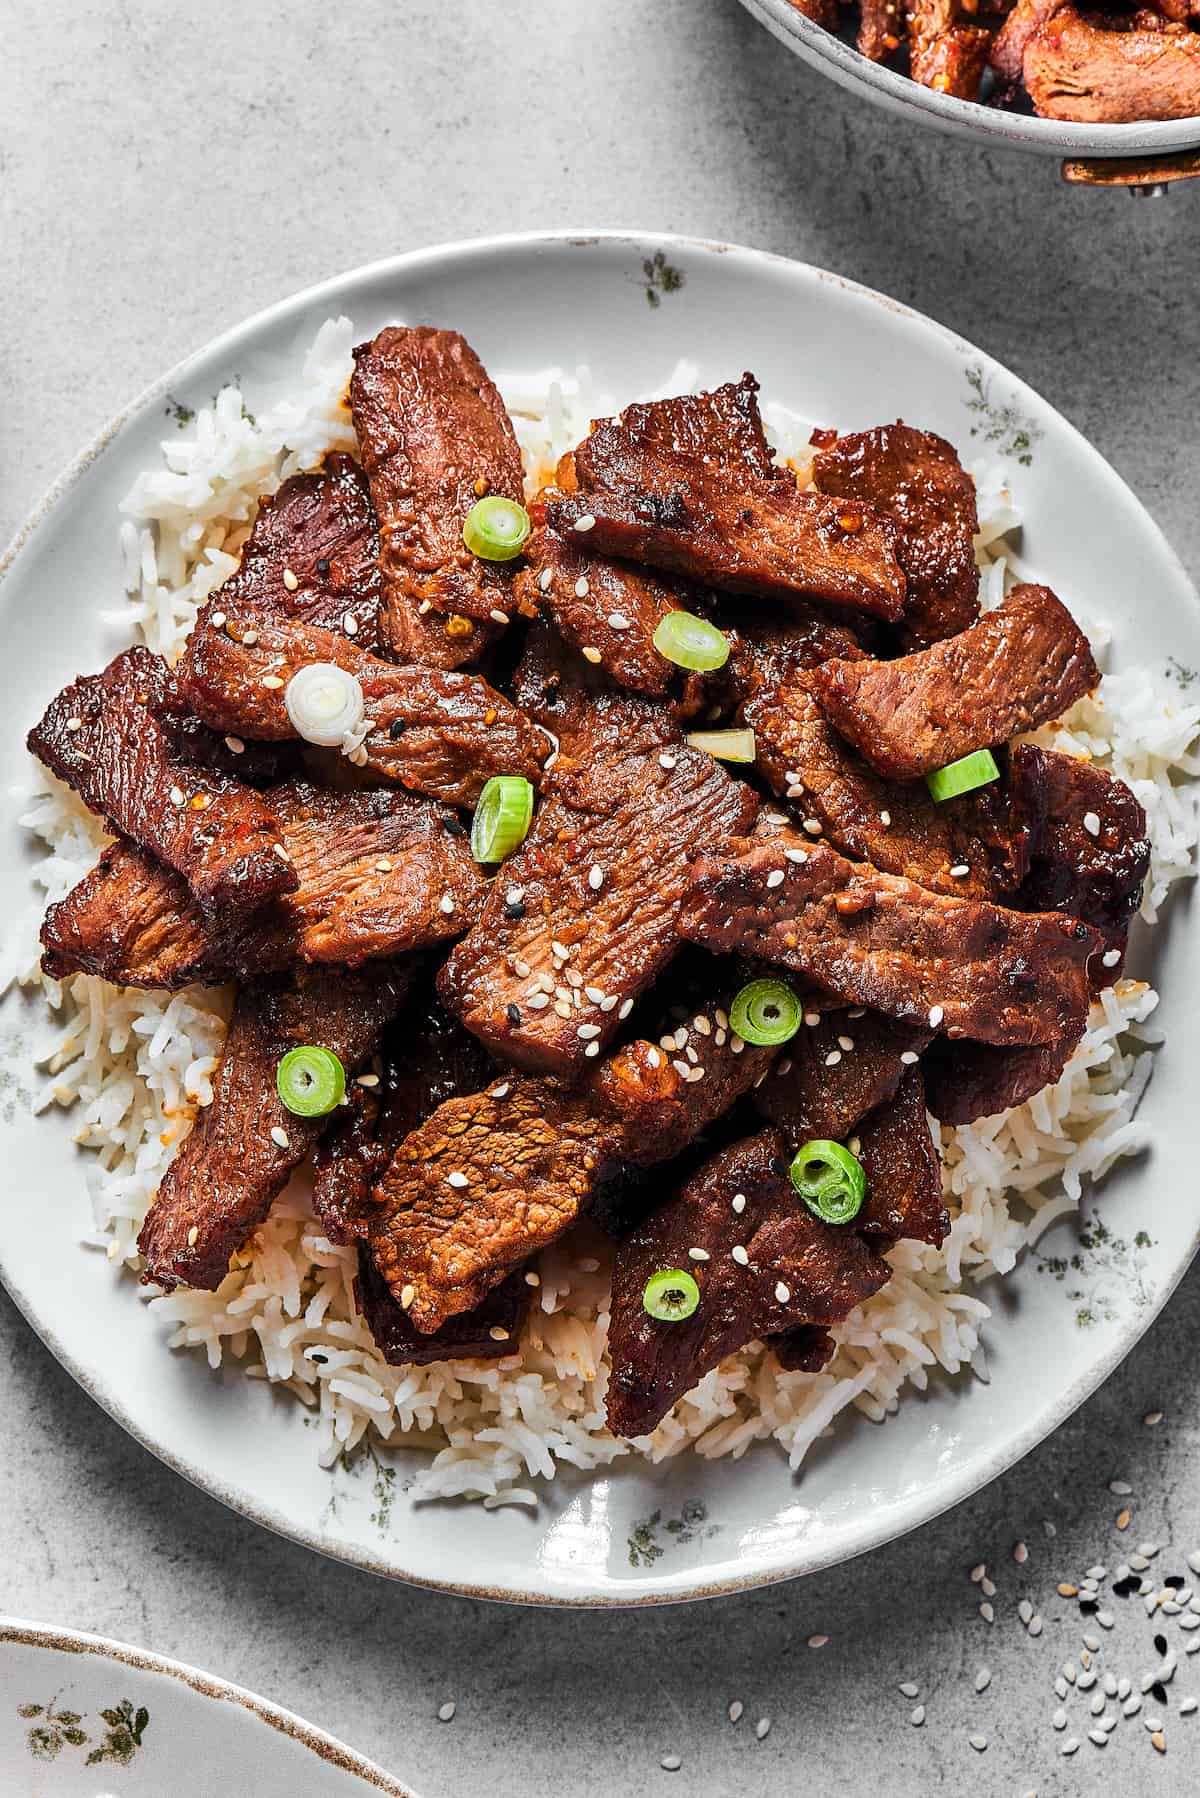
<point>727,956</point>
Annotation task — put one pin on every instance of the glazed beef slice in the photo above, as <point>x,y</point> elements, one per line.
<point>435,438</point>
<point>965,1081</point>
<point>439,733</point>
<point>1081,68</point>
<point>379,873</point>
<point>839,1066</point>
<point>1019,666</point>
<point>101,736</point>
<point>583,917</point>
<point>313,555</point>
<point>795,1270</point>
<point>245,1145</point>
<point>478,1188</point>
<point>962,966</point>
<point>1089,854</point>
<point>918,480</point>
<point>487,1333</point>
<point>904,1175</point>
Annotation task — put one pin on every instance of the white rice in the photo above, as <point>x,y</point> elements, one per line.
<point>134,1067</point>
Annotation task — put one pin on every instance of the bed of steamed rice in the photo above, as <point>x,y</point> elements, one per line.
<point>134,1067</point>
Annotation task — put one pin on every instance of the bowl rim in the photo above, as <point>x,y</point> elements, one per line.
<point>679,1587</point>
<point>61,1639</point>
<point>967,118</point>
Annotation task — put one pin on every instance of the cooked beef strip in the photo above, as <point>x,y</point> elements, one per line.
<point>601,875</point>
<point>1097,873</point>
<point>320,528</point>
<point>722,429</point>
<point>479,1187</point>
<point>818,1088</point>
<point>896,826</point>
<point>904,1175</point>
<point>825,1273</point>
<point>1007,52</point>
<point>565,695</point>
<point>606,607</point>
<point>221,1185</point>
<point>951,62</point>
<point>665,1100</point>
<point>748,535</point>
<point>438,733</point>
<point>1019,666</point>
<point>805,1349</point>
<point>919,481</point>
<point>965,1081</point>
<point>487,1333</point>
<point>100,735</point>
<point>1078,68</point>
<point>376,869</point>
<point>968,967</point>
<point>426,1058</point>
<point>434,438</point>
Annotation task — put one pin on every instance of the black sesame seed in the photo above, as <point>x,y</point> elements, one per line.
<point>322,566</point>
<point>1175,1581</point>
<point>778,1165</point>
<point>1088,1605</point>
<point>1125,1588</point>
<point>514,909</point>
<point>1160,1645</point>
<point>1159,1691</point>
<point>396,729</point>
<point>513,1013</point>
<point>454,827</point>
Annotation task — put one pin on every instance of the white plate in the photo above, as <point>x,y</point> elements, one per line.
<point>82,1717</point>
<point>835,352</point>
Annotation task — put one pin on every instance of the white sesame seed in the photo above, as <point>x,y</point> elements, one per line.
<point>193,1236</point>
<point>618,621</point>
<point>1099,1700</point>
<point>739,1203</point>
<point>917,1717</point>
<point>591,653</point>
<point>936,1014</point>
<point>217,620</point>
<point>250,638</point>
<point>587,1032</point>
<point>498,1333</point>
<point>502,1091</point>
<point>699,1073</point>
<point>407,1295</point>
<point>885,819</point>
<point>235,745</point>
<point>908,1688</point>
<point>367,1080</point>
<point>625,1008</point>
<point>909,1057</point>
<point>960,870</point>
<point>977,1572</point>
<point>592,1049</point>
<point>280,1137</point>
<point>290,581</point>
<point>817,1641</point>
<point>796,855</point>
<point>986,1586</point>
<point>545,578</point>
<point>532,1279</point>
<point>782,1293</point>
<point>1059,1719</point>
<point>762,1728</point>
<point>178,796</point>
<point>1060,1687</point>
<point>1187,1706</point>
<point>585,522</point>
<point>776,877</point>
<point>1020,1553</point>
<point>384,865</point>
<point>1025,1611</point>
<point>1111,957</point>
<point>978,1743</point>
<point>833,1057</point>
<point>497,616</point>
<point>538,1001</point>
<point>1070,1745</point>
<point>740,1255</point>
<point>666,760</point>
<point>74,723</point>
<point>670,1763</point>
<point>736,1711</point>
<point>1091,823</point>
<point>813,826</point>
<point>1122,1488</point>
<point>458,1180</point>
<point>1035,1625</point>
<point>1099,1737</point>
<point>596,878</point>
<point>986,1612</point>
<point>273,681</point>
<point>446,904</point>
<point>846,1043</point>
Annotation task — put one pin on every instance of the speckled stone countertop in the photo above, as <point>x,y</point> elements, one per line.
<point>162,174</point>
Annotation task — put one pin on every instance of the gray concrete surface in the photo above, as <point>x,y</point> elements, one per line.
<point>165,171</point>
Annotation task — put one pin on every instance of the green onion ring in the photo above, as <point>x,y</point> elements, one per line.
<point>311,1082</point>
<point>691,642</point>
<point>671,1295</point>
<point>496,528</point>
<point>502,817</point>
<point>766,1012</point>
<point>831,1181</point>
<point>964,775</point>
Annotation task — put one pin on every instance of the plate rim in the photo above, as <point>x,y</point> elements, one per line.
<point>966,118</point>
<point>663,1588</point>
<point>63,1639</point>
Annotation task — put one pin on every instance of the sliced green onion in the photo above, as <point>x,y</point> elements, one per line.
<point>495,528</point>
<point>671,1295</point>
<point>831,1181</point>
<point>691,642</point>
<point>726,745</point>
<point>310,1081</point>
<point>766,1012</point>
<point>964,775</point>
<point>501,817</point>
<point>323,702</point>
